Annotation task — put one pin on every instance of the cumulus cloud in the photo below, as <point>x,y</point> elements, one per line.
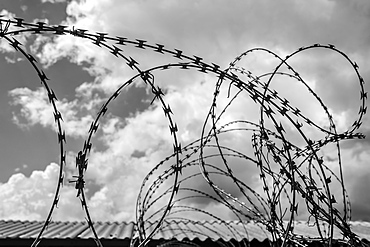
<point>5,46</point>
<point>30,198</point>
<point>217,31</point>
<point>53,1</point>
<point>35,109</point>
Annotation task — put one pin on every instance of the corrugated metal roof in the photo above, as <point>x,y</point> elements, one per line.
<point>214,230</point>
<point>178,229</point>
<point>65,230</point>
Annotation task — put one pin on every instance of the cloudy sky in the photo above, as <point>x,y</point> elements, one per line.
<point>134,135</point>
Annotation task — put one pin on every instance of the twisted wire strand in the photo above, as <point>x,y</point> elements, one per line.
<point>270,148</point>
<point>57,117</point>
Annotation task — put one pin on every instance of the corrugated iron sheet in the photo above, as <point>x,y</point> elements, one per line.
<point>214,230</point>
<point>174,229</point>
<point>65,230</point>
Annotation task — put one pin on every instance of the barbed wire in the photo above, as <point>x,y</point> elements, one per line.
<point>286,170</point>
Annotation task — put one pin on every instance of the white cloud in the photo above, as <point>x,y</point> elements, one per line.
<point>53,1</point>
<point>35,109</point>
<point>22,37</point>
<point>18,169</point>
<point>30,198</point>
<point>4,45</point>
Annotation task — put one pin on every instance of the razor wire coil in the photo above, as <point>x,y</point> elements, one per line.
<point>270,146</point>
